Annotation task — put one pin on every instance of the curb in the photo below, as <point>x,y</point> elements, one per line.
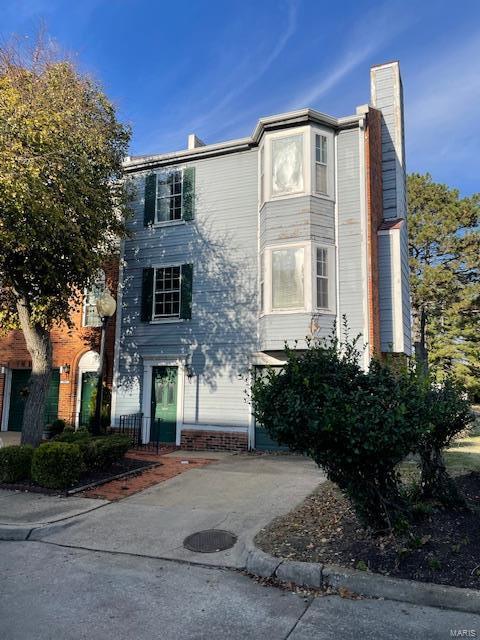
<point>314,575</point>
<point>15,531</point>
<point>33,531</point>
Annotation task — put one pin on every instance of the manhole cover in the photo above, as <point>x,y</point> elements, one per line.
<point>210,541</point>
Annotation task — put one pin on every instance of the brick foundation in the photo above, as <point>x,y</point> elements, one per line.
<point>214,440</point>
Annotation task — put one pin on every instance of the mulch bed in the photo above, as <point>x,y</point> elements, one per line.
<point>442,547</point>
<point>129,463</point>
<point>169,468</point>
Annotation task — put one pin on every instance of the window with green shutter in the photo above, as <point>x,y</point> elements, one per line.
<point>169,196</point>
<point>167,293</point>
<point>186,292</point>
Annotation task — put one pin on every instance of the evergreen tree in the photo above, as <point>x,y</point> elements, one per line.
<point>444,244</point>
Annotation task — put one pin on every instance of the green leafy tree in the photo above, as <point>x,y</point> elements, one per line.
<point>444,244</point>
<point>61,200</point>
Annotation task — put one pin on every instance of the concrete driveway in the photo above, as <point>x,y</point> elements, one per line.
<point>239,493</point>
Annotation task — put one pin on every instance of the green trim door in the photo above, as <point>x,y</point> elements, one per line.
<point>263,442</point>
<point>18,396</point>
<point>89,388</point>
<point>163,426</point>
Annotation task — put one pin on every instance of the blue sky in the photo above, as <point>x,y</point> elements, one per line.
<point>214,67</point>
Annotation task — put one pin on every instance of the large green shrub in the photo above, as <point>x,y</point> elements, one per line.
<point>98,453</point>
<point>447,413</point>
<point>15,463</point>
<point>354,424</point>
<point>104,451</point>
<point>57,465</point>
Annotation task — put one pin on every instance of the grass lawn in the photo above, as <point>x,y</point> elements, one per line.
<point>464,454</point>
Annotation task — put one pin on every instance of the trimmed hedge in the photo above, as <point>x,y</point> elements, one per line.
<point>57,465</point>
<point>98,453</point>
<point>102,452</point>
<point>15,463</point>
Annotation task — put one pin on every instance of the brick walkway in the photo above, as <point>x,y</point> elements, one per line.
<point>169,468</point>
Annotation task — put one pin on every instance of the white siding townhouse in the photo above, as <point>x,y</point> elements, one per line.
<point>239,246</point>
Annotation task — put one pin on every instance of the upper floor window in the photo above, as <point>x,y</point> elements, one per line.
<point>166,296</point>
<point>167,293</point>
<point>287,165</point>
<point>320,163</point>
<point>90,313</point>
<point>262,175</point>
<point>287,278</point>
<point>322,277</point>
<point>169,196</point>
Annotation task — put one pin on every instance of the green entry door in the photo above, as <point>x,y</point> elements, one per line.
<point>263,441</point>
<point>18,396</point>
<point>164,404</point>
<point>87,407</point>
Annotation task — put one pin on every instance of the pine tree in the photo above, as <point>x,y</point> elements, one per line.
<point>444,243</point>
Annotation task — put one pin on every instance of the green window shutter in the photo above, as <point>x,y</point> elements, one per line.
<point>186,295</point>
<point>188,205</point>
<point>147,295</point>
<point>150,199</point>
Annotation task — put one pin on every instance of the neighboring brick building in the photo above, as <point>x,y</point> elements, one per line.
<point>75,363</point>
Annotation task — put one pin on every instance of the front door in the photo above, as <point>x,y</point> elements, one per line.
<point>164,404</point>
<point>18,396</point>
<point>87,400</point>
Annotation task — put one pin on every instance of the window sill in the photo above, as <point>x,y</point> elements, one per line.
<point>324,312</point>
<point>281,312</point>
<point>323,196</point>
<point>168,223</point>
<point>167,320</point>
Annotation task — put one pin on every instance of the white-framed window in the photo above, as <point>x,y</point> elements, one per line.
<point>262,175</point>
<point>287,165</point>
<point>90,313</point>
<point>298,277</point>
<point>169,196</point>
<point>321,164</point>
<point>167,292</point>
<point>262,282</point>
<point>288,278</point>
<point>322,278</point>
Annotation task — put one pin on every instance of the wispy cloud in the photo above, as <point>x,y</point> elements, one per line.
<point>374,31</point>
<point>441,109</point>
<point>252,70</point>
<point>446,91</point>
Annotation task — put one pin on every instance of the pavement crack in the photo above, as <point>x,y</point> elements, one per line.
<point>299,618</point>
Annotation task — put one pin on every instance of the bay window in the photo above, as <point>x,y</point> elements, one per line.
<point>320,164</point>
<point>287,278</point>
<point>297,278</point>
<point>322,277</point>
<point>287,165</point>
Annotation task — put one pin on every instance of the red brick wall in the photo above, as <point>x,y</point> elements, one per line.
<point>214,440</point>
<point>68,347</point>
<point>374,193</point>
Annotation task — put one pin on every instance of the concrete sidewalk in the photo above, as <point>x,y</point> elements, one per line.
<point>239,493</point>
<point>21,512</point>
